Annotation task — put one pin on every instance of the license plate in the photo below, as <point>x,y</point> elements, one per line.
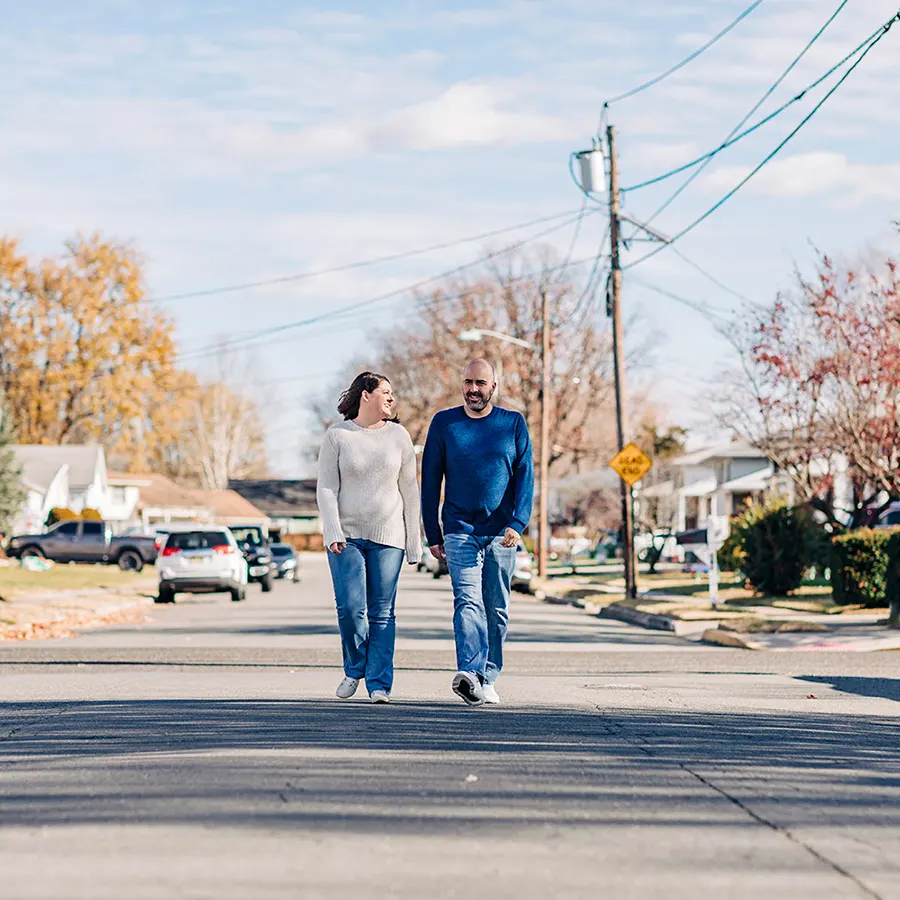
<point>198,560</point>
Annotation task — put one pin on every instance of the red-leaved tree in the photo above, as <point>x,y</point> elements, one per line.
<point>819,390</point>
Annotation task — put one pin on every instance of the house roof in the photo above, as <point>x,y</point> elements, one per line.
<point>159,492</point>
<point>724,450</point>
<point>230,505</point>
<point>755,481</point>
<point>41,462</point>
<point>280,499</point>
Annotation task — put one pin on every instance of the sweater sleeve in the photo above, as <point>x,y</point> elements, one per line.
<point>409,491</point>
<point>432,479</point>
<point>328,486</point>
<point>523,475</point>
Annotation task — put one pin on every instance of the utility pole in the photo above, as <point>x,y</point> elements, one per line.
<point>543,531</point>
<point>615,312</point>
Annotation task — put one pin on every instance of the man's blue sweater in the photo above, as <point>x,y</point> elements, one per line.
<point>488,471</point>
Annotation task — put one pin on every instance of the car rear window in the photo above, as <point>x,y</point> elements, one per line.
<point>281,551</point>
<point>196,540</point>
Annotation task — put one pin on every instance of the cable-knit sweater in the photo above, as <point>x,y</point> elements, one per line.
<point>367,487</point>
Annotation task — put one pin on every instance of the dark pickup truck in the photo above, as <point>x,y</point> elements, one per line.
<point>85,541</point>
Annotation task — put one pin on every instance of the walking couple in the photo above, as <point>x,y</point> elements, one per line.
<point>369,501</point>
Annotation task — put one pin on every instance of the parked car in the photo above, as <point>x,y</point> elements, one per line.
<point>522,574</point>
<point>202,560</point>
<point>85,541</point>
<point>286,562</point>
<point>254,545</point>
<point>890,518</point>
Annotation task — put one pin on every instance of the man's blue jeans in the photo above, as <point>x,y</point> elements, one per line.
<point>481,571</point>
<point>365,579</point>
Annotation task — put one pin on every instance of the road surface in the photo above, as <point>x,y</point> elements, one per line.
<point>202,754</point>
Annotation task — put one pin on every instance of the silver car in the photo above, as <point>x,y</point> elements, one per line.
<point>201,560</point>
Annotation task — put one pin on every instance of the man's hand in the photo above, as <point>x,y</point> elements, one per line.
<point>510,538</point>
<point>437,551</point>
<point>337,548</point>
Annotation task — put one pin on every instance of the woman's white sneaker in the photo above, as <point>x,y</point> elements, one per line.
<point>490,693</point>
<point>380,697</point>
<point>347,688</point>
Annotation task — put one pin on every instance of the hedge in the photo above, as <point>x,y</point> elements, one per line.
<point>773,543</point>
<point>860,570</point>
<point>892,578</point>
<point>60,514</point>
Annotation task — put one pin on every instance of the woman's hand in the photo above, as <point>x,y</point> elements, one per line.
<point>337,548</point>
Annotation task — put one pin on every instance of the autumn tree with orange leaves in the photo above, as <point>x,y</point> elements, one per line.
<point>819,390</point>
<point>86,358</point>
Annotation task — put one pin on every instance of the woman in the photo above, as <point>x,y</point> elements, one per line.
<point>369,501</point>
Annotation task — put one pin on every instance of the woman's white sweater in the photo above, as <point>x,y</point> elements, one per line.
<point>367,487</point>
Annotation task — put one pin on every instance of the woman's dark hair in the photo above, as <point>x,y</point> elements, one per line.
<point>366,382</point>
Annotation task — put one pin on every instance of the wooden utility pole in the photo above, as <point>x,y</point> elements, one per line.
<point>615,313</point>
<point>544,474</point>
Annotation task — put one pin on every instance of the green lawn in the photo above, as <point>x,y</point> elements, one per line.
<point>17,581</point>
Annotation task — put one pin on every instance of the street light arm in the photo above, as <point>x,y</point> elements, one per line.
<point>476,334</point>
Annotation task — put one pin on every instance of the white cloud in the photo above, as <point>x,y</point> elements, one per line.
<point>815,174</point>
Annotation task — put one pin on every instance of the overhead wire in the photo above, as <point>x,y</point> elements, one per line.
<point>753,172</point>
<point>359,264</point>
<point>758,105</point>
<point>687,60</point>
<point>335,315</point>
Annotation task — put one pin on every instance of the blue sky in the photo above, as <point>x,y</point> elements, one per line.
<point>238,142</point>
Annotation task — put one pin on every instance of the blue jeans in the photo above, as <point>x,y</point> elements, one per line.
<point>481,571</point>
<point>365,579</point>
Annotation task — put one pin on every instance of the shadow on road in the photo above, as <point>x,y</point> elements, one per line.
<point>888,688</point>
<point>416,767</point>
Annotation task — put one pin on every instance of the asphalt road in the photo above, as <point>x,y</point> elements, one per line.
<point>202,754</point>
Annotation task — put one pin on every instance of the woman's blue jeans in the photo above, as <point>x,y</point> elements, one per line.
<point>365,579</point>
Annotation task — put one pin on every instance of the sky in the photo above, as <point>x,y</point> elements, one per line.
<point>234,143</point>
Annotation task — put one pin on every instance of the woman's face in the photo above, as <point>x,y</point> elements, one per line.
<point>381,400</point>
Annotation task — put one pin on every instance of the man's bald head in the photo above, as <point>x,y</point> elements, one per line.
<point>479,367</point>
<point>478,387</point>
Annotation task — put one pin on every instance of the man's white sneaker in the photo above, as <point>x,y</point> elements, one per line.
<point>467,686</point>
<point>380,697</point>
<point>347,688</point>
<point>490,693</point>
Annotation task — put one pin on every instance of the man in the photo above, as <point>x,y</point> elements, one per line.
<point>482,455</point>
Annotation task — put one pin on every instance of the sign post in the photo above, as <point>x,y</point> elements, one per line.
<point>631,464</point>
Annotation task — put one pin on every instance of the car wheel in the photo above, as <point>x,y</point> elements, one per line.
<point>166,595</point>
<point>266,583</point>
<point>32,553</point>
<point>237,594</point>
<point>436,575</point>
<point>130,561</point>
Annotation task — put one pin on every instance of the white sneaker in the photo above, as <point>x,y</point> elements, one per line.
<point>380,697</point>
<point>347,688</point>
<point>467,686</point>
<point>490,693</point>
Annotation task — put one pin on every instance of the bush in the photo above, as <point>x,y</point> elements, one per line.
<point>731,555</point>
<point>860,568</point>
<point>91,515</point>
<point>892,578</point>
<point>775,542</point>
<point>60,514</point>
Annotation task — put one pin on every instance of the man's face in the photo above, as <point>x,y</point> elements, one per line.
<point>478,387</point>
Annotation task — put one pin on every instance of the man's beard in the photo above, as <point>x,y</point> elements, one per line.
<point>477,404</point>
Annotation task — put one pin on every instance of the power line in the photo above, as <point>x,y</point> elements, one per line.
<point>359,264</point>
<point>883,32</point>
<point>710,277</point>
<point>337,314</point>
<point>778,82</point>
<point>704,309</point>
<point>689,59</point>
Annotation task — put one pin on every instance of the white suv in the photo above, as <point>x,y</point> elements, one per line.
<point>201,560</point>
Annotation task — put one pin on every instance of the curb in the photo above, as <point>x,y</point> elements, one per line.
<point>731,639</point>
<point>650,621</point>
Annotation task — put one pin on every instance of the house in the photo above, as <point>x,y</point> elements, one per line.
<point>289,504</point>
<point>63,475</point>
<point>230,508</point>
<point>144,500</point>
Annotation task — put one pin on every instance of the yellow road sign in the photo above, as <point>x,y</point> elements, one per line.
<point>631,464</point>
